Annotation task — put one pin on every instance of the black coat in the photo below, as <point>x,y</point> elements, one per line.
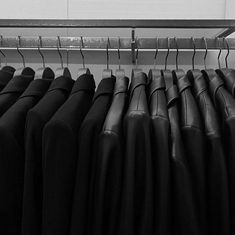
<point>60,157</point>
<point>14,88</point>
<point>183,206</point>
<point>217,179</point>
<point>83,204</point>
<point>6,74</point>
<point>109,167</point>
<point>12,159</point>
<point>37,117</point>
<point>137,193</point>
<point>160,145</point>
<point>225,104</point>
<point>193,141</point>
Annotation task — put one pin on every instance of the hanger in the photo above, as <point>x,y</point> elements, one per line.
<point>120,73</point>
<point>167,74</point>
<point>228,51</point>
<point>154,73</point>
<point>107,73</point>
<point>220,50</point>
<point>61,71</point>
<point>2,53</point>
<point>177,73</point>
<point>136,70</point>
<point>193,73</point>
<point>20,70</point>
<point>43,72</point>
<point>83,70</point>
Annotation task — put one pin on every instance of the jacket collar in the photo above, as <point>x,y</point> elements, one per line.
<point>105,87</point>
<point>62,83</point>
<point>37,88</point>
<point>84,83</point>
<point>17,84</point>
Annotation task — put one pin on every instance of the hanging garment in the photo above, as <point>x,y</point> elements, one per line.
<point>228,76</point>
<point>109,167</point>
<point>12,125</point>
<point>217,186</point>
<point>6,74</point>
<point>225,105</point>
<point>160,144</point>
<point>183,207</point>
<point>60,153</point>
<point>37,117</point>
<point>137,194</point>
<point>82,212</point>
<point>193,139</point>
<point>15,87</point>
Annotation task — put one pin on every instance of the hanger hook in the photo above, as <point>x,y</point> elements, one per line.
<point>39,50</point>
<point>205,42</point>
<point>20,53</point>
<point>177,53</point>
<point>228,51</point>
<point>220,50</point>
<point>107,52</point>
<point>137,52</point>
<point>156,53</point>
<point>3,54</point>
<point>58,49</point>
<point>82,55</point>
<point>194,52</point>
<point>119,54</point>
<point>168,51</point>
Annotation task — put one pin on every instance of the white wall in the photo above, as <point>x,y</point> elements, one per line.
<point>115,9</point>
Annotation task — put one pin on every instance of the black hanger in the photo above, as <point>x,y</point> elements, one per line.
<point>107,73</point>
<point>82,70</point>
<point>61,71</point>
<point>120,73</point>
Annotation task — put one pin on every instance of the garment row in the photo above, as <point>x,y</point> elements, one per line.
<point>155,157</point>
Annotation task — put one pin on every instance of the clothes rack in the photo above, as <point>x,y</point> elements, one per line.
<point>100,43</point>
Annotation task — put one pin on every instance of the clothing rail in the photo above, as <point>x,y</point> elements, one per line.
<point>100,43</point>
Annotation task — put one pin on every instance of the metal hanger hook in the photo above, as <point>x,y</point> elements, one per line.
<point>156,53</point>
<point>228,51</point>
<point>137,53</point>
<point>177,53</point>
<point>220,50</point>
<point>168,51</point>
<point>20,53</point>
<point>82,55</point>
<point>58,49</point>
<point>194,53</point>
<point>40,52</point>
<point>3,54</point>
<point>205,42</point>
<point>107,52</point>
<point>119,54</point>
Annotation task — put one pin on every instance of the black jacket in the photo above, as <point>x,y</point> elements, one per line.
<point>160,143</point>
<point>193,141</point>
<point>12,161</point>
<point>6,74</point>
<point>137,193</point>
<point>217,180</point>
<point>225,104</point>
<point>60,157</point>
<point>108,179</point>
<point>15,87</point>
<point>36,119</point>
<point>183,206</point>
<point>82,221</point>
